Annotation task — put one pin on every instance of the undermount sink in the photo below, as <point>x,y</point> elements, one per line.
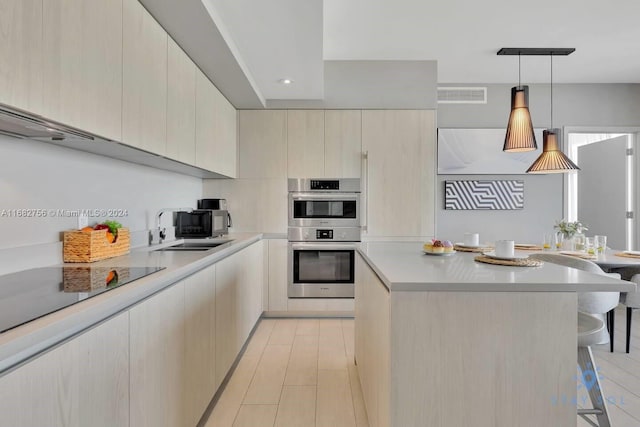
<point>194,246</point>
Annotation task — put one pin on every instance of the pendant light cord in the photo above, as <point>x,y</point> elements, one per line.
<point>551,91</point>
<point>519,70</point>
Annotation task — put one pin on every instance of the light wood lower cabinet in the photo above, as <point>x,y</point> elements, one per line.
<point>226,324</point>
<point>157,345</point>
<point>84,382</point>
<point>238,304</point>
<point>372,343</point>
<point>158,364</point>
<point>278,278</point>
<point>200,343</point>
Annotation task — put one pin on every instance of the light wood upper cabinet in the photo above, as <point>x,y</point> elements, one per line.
<point>342,143</point>
<point>400,190</point>
<point>205,122</point>
<point>181,105</point>
<point>216,129</point>
<point>199,335</point>
<point>157,359</point>
<point>144,107</point>
<point>263,144</point>
<point>82,64</point>
<point>84,382</point>
<point>225,159</point>
<point>21,54</point>
<point>305,143</point>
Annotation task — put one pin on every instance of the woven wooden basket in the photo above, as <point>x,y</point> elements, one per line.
<point>90,246</point>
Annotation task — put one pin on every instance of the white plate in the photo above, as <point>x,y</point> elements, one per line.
<point>492,254</point>
<point>438,253</point>
<point>527,245</point>
<point>462,245</point>
<point>636,253</point>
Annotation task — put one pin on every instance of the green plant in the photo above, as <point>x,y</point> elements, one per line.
<point>570,228</point>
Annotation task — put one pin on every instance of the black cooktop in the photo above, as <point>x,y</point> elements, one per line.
<point>30,294</point>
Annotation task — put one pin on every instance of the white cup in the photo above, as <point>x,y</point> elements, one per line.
<point>471,239</point>
<point>505,248</point>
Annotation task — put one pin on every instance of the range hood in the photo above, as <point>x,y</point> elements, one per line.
<point>22,124</point>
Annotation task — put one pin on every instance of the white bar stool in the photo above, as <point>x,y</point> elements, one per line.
<point>589,329</point>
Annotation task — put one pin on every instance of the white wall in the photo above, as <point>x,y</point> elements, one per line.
<point>573,105</point>
<point>36,175</point>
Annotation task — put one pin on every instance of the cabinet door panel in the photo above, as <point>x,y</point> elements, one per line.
<point>181,105</point>
<point>305,143</point>
<point>249,298</point>
<point>263,144</point>
<point>157,359</point>
<point>205,122</point>
<point>82,382</point>
<point>401,171</point>
<point>278,278</point>
<point>342,143</point>
<point>21,54</point>
<point>226,315</point>
<point>82,64</point>
<point>144,80</point>
<point>226,136</point>
<point>199,335</point>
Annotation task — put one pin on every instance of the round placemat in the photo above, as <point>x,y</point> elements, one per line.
<point>526,262</point>
<point>470,249</point>
<point>622,254</point>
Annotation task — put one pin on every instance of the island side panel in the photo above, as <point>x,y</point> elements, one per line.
<point>483,359</point>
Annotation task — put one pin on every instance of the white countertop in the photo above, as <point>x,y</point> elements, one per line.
<point>22,342</point>
<point>403,266</point>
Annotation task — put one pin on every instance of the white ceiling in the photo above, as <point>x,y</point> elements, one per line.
<point>275,39</point>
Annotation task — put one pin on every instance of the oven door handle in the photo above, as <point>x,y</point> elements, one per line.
<point>329,246</point>
<point>339,197</point>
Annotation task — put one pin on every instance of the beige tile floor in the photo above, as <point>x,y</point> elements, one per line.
<point>300,372</point>
<point>295,372</point>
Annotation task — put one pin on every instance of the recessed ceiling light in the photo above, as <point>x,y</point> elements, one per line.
<point>285,81</point>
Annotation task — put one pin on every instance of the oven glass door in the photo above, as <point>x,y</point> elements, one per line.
<point>323,266</point>
<point>324,209</point>
<point>321,270</point>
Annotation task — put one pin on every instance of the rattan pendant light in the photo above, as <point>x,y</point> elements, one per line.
<point>552,159</point>
<point>519,136</point>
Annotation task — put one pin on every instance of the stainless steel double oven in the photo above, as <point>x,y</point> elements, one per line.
<point>324,227</point>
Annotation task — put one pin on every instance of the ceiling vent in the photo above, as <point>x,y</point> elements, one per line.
<point>462,95</point>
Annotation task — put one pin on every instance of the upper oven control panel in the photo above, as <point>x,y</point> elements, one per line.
<point>333,185</point>
<point>325,184</point>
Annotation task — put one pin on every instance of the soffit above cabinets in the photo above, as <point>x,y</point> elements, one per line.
<point>246,46</point>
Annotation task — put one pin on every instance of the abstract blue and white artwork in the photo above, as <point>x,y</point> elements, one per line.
<point>489,195</point>
<point>479,152</point>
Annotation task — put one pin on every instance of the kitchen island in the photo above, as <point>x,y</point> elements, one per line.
<point>448,341</point>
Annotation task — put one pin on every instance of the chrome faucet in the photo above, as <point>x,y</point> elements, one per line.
<point>159,231</point>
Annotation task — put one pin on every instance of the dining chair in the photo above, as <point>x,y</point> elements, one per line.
<point>595,303</point>
<point>589,329</point>
<point>632,301</point>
